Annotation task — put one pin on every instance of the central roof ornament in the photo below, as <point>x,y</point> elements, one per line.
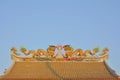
<point>59,54</point>
<point>55,53</point>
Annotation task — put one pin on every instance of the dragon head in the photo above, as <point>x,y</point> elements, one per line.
<point>14,50</point>
<point>67,47</point>
<point>105,50</point>
<point>52,48</point>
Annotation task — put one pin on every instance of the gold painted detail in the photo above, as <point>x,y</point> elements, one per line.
<point>50,54</point>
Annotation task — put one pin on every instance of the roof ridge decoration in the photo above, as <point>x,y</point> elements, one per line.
<point>50,54</point>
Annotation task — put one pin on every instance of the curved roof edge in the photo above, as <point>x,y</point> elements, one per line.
<point>8,70</point>
<point>112,72</point>
<point>1,76</point>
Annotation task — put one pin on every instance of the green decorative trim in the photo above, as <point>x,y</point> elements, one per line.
<point>22,49</point>
<point>97,49</point>
<point>44,59</point>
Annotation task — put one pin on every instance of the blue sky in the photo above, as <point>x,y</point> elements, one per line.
<point>39,23</point>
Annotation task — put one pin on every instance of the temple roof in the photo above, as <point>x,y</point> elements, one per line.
<point>63,70</point>
<point>46,65</point>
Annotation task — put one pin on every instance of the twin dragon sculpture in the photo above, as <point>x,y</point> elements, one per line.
<point>51,55</point>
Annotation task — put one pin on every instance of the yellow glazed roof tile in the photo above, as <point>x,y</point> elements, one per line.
<point>58,70</point>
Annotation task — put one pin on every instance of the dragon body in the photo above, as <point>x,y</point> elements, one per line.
<point>49,54</point>
<point>69,51</point>
<point>50,51</point>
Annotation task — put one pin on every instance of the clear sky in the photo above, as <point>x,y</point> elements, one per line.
<point>39,23</point>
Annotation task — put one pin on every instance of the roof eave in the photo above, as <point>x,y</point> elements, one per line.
<point>112,72</point>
